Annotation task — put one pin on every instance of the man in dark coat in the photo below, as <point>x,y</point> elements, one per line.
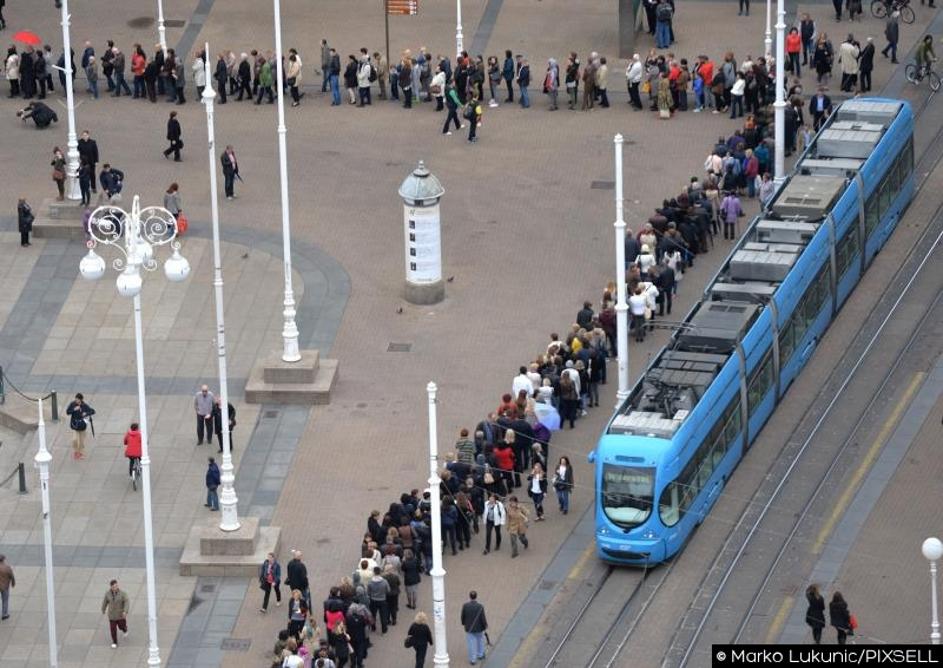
<point>41,114</point>
<point>230,171</point>
<point>218,423</point>
<point>297,576</point>
<point>27,76</point>
<point>212,484</point>
<point>892,34</point>
<point>866,65</point>
<point>111,180</point>
<point>820,106</point>
<point>24,215</point>
<point>475,624</point>
<point>174,133</point>
<point>159,64</point>
<point>221,75</point>
<point>665,282</point>
<point>39,72</point>
<point>88,151</point>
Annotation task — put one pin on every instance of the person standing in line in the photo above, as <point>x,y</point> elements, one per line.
<point>633,77</point>
<point>230,171</point>
<point>203,405</point>
<point>364,73</point>
<point>7,582</point>
<point>212,484</point>
<point>848,62</point>
<point>24,221</point>
<point>80,416</point>
<point>523,81</point>
<point>552,83</point>
<point>12,71</point>
<point>108,67</point>
<point>475,624</point>
<point>174,134</point>
<point>473,115</point>
<point>892,34</point>
<point>198,68</point>
<point>244,74</point>
<point>381,68</point>
<point>325,66</point>
<point>297,575</point>
<point>266,79</point>
<point>168,74</point>
<point>839,617</point>
<point>537,489</point>
<point>179,79</point>
<point>378,589</point>
<point>732,211</point>
<point>88,149</point>
<point>293,76</point>
<point>270,578</point>
<point>744,8</point>
<point>47,56</point>
<point>517,525</point>
<point>334,73</point>
<point>116,605</point>
<point>297,614</point>
<point>508,72</point>
<point>815,613</point>
<point>602,82</point>
<point>91,75</point>
<point>495,518</point>
<point>222,76</point>
<point>58,172</point>
<point>40,72</point>
<point>118,63</point>
<point>866,65</point>
<point>218,422</point>
<point>419,638</point>
<point>138,66</point>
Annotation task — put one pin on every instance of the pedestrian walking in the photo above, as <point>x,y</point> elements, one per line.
<point>218,422</point>
<point>891,33</point>
<point>112,182</point>
<point>174,134</point>
<point>293,76</point>
<point>297,614</point>
<point>7,582</point>
<point>473,114</point>
<point>517,525</point>
<point>58,172</point>
<point>212,484</point>
<point>496,517</point>
<point>88,149</point>
<point>116,605</point>
<point>297,576</point>
<point>172,201</point>
<point>840,617</point>
<point>80,418</point>
<point>118,65</point>
<point>244,77</point>
<point>452,103</point>
<point>419,638</point>
<point>24,221</point>
<point>266,79</point>
<point>537,489</point>
<point>230,171</point>
<point>270,579</point>
<point>563,483</point>
<point>552,83</point>
<point>815,613</point>
<point>203,405</point>
<point>475,624</point>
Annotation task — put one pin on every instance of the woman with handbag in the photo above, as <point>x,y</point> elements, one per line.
<point>840,618</point>
<point>537,489</point>
<point>419,637</point>
<point>563,483</point>
<point>172,200</point>
<point>58,172</point>
<point>270,577</point>
<point>297,614</point>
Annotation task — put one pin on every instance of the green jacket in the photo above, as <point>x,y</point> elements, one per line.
<point>265,75</point>
<point>116,604</point>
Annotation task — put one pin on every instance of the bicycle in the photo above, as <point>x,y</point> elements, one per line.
<point>135,472</point>
<point>915,75</point>
<point>881,9</point>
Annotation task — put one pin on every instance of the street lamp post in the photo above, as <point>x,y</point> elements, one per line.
<point>932,549</point>
<point>779,173</point>
<point>622,307</point>
<point>229,520</point>
<point>161,30</point>
<point>291,351</point>
<point>768,42</point>
<point>135,235</point>
<point>42,460</point>
<point>73,192</point>
<point>459,37</point>
<point>441,657</point>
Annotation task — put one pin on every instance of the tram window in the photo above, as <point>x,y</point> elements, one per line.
<point>816,295</point>
<point>907,159</point>
<point>760,383</point>
<point>885,195</point>
<point>893,181</point>
<point>786,344</point>
<point>871,214</point>
<point>847,248</point>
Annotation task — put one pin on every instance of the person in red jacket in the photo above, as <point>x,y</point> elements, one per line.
<point>132,447</point>
<point>793,49</point>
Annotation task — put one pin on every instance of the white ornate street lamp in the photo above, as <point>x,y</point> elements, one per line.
<point>161,30</point>
<point>459,38</point>
<point>291,351</point>
<point>441,657</point>
<point>135,235</point>
<point>932,549</point>
<point>622,307</point>
<point>779,163</point>
<point>42,460</point>
<point>229,517</point>
<point>72,191</point>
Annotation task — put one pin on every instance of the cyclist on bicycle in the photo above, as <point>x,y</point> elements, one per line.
<point>132,447</point>
<point>925,56</point>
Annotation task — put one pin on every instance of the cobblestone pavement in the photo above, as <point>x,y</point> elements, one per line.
<point>525,234</point>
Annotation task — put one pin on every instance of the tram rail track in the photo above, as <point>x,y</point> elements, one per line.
<point>928,162</point>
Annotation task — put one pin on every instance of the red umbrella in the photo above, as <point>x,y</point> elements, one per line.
<point>27,37</point>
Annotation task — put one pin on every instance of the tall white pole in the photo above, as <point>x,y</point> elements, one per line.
<point>779,173</point>
<point>291,351</point>
<point>768,42</point>
<point>622,307</point>
<point>935,621</point>
<point>229,520</point>
<point>42,460</point>
<point>459,37</point>
<point>72,191</point>
<point>161,30</point>
<point>441,657</point>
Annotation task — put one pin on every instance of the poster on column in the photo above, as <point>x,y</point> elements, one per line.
<point>423,244</point>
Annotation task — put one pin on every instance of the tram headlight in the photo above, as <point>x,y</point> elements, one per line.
<point>603,531</point>
<point>649,535</point>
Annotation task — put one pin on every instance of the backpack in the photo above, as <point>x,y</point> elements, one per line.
<point>663,13</point>
<point>373,73</point>
<point>469,112</point>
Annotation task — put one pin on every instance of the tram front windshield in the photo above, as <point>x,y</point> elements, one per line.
<point>627,494</point>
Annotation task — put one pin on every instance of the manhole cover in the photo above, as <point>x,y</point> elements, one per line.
<point>270,414</point>
<point>179,23</point>
<point>142,22</point>
<point>207,589</point>
<point>399,347</point>
<point>235,644</point>
<point>323,541</point>
<point>602,185</point>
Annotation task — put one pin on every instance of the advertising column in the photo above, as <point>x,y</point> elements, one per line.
<point>422,233</point>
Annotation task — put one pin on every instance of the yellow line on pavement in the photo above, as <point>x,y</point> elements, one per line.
<point>866,462</point>
<point>532,638</point>
<point>777,624</point>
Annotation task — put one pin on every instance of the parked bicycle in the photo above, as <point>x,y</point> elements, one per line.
<point>883,8</point>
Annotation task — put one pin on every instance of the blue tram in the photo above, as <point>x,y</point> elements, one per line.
<point>670,447</point>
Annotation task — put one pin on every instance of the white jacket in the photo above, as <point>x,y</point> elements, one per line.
<point>848,58</point>
<point>199,72</point>
<point>500,514</point>
<point>633,73</point>
<point>13,67</point>
<point>439,80</point>
<point>363,74</point>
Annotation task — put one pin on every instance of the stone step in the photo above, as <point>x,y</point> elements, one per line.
<point>223,563</point>
<point>64,210</point>
<point>306,394</point>
<point>58,228</point>
<point>276,371</point>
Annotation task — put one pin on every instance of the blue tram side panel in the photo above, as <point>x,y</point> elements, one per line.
<point>670,447</point>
